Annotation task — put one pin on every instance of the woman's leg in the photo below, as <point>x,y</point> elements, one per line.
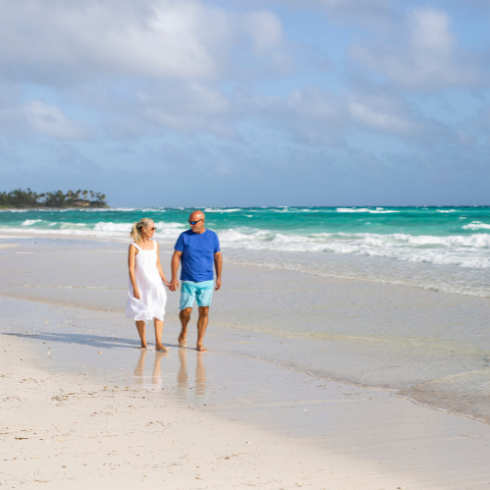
<point>158,335</point>
<point>141,327</point>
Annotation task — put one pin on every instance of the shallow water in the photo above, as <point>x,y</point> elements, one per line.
<point>428,346</point>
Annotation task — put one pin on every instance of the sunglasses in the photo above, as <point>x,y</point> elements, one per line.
<point>194,222</point>
<point>153,229</point>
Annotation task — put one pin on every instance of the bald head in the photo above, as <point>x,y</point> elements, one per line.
<point>197,217</point>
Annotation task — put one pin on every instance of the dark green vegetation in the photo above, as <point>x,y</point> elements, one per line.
<point>20,199</point>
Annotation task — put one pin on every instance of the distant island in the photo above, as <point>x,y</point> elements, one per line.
<point>20,199</point>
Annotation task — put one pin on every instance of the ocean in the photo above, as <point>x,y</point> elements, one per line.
<point>444,249</point>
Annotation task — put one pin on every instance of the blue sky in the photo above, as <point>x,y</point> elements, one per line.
<point>202,103</point>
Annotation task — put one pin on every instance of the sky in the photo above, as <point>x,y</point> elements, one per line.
<point>247,103</point>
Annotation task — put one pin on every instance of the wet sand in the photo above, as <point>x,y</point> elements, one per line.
<point>230,418</point>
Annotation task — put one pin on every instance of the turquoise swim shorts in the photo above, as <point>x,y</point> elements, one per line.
<point>202,292</point>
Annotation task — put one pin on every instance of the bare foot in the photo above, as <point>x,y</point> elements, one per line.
<point>143,347</point>
<point>182,339</point>
<point>161,348</point>
<point>200,348</point>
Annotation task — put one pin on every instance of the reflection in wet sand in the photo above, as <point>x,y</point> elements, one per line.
<point>200,376</point>
<point>157,368</point>
<point>182,377</point>
<point>139,370</point>
<point>195,393</point>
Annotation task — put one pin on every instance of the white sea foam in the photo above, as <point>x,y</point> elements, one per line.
<point>476,225</point>
<point>221,210</point>
<point>470,251</point>
<point>113,227</point>
<point>165,231</point>
<point>446,210</point>
<point>366,210</point>
<point>73,226</point>
<point>296,210</point>
<point>29,222</point>
<point>104,210</point>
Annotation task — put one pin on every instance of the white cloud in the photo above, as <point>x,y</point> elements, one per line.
<point>430,31</point>
<point>366,13</point>
<point>189,107</point>
<point>41,118</point>
<point>177,40</point>
<point>424,54</point>
<point>354,7</point>
<point>380,114</point>
<point>49,120</point>
<point>265,29</point>
<point>59,40</point>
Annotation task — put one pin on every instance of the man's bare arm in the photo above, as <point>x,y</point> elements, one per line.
<point>174,266</point>
<point>218,264</point>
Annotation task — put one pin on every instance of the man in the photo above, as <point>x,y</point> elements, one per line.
<point>197,248</point>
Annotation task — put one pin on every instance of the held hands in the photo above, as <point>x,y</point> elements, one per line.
<point>174,284</point>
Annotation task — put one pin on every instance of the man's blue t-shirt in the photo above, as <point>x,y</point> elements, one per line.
<point>198,255</point>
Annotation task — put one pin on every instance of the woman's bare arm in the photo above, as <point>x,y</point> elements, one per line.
<point>132,265</point>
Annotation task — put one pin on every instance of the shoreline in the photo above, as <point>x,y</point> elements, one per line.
<point>348,336</point>
<point>371,270</point>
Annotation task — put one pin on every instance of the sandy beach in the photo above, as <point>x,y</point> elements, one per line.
<point>266,407</point>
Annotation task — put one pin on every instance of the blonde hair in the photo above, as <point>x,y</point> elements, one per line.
<point>137,227</point>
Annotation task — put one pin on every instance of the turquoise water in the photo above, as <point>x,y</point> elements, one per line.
<point>442,248</point>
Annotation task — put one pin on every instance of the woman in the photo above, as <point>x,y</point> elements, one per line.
<point>147,296</point>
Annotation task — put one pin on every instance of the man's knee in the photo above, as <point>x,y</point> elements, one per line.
<point>185,313</point>
<point>203,311</point>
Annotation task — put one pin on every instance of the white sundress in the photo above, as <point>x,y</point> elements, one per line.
<point>153,294</point>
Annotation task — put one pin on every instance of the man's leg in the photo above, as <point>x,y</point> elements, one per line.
<point>187,297</point>
<point>185,316</point>
<point>202,324</point>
